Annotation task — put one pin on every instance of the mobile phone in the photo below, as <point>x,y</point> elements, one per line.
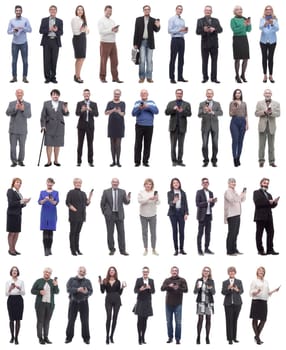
<point>145,285</point>
<point>99,277</point>
<point>65,104</point>
<point>55,278</point>
<point>91,191</point>
<point>129,194</point>
<point>176,195</point>
<point>244,189</point>
<point>207,103</point>
<point>141,103</point>
<point>248,18</point>
<point>155,193</point>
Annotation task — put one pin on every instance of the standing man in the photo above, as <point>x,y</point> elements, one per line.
<point>264,203</point>
<point>77,201</point>
<point>267,110</point>
<point>18,27</point>
<point>143,40</point>
<point>79,289</point>
<point>111,204</point>
<point>174,286</point>
<point>53,125</point>
<point>18,111</point>
<point>107,31</point>
<point>144,111</point>
<point>205,200</point>
<point>209,111</point>
<point>86,110</point>
<point>45,288</point>
<point>177,30</point>
<point>178,111</point>
<point>52,29</point>
<point>209,28</point>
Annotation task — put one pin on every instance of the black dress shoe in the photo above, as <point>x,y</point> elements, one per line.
<point>41,341</point>
<point>48,164</point>
<point>103,80</point>
<point>214,164</point>
<point>124,253</point>
<point>208,251</point>
<point>262,252</point>
<point>178,341</point>
<point>17,253</point>
<point>68,341</point>
<point>47,341</point>
<point>170,340</point>
<point>183,252</point>
<point>16,341</point>
<point>111,252</point>
<point>146,164</point>
<point>176,253</point>
<point>230,342</point>
<point>111,339</point>
<point>273,165</point>
<point>137,164</point>
<point>173,81</point>
<point>200,252</point>
<point>236,341</point>
<point>86,341</point>
<point>79,252</point>
<point>107,340</point>
<point>57,164</point>
<point>238,80</point>
<point>13,164</point>
<point>21,163</point>
<point>73,253</point>
<point>47,81</point>
<point>205,164</point>
<point>91,165</point>
<point>119,165</point>
<point>243,78</point>
<point>204,80</point>
<point>215,81</point>
<point>54,80</point>
<point>272,252</point>
<point>13,80</point>
<point>238,252</point>
<point>207,340</point>
<point>78,164</point>
<point>12,340</point>
<point>183,80</point>
<point>181,164</point>
<point>118,81</point>
<point>112,164</point>
<point>12,253</point>
<point>271,80</point>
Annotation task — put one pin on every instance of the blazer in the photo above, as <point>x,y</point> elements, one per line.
<point>202,204</point>
<point>106,203</point>
<point>172,206</point>
<point>14,203</point>
<point>139,30</point>
<point>144,298</point>
<point>232,297</point>
<point>210,292</point>
<point>53,120</point>
<point>269,119</point>
<point>38,286</point>
<point>263,209</point>
<point>18,120</point>
<point>209,40</point>
<point>78,199</point>
<point>82,123</point>
<point>44,30</point>
<point>178,118</point>
<point>210,120</point>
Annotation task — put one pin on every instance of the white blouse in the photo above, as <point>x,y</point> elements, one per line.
<point>264,289</point>
<point>76,24</point>
<point>15,291</point>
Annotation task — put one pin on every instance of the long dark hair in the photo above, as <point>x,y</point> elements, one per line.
<point>234,93</point>
<point>83,14</point>
<point>107,278</point>
<point>175,179</point>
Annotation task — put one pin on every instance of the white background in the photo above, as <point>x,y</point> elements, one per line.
<point>93,237</point>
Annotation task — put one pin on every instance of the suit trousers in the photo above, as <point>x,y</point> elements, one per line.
<point>83,309</point>
<point>178,221</point>
<point>152,221</point>
<point>205,147</point>
<point>262,143</point>
<point>75,228</point>
<point>14,140</point>
<point>44,314</point>
<point>268,226</point>
<point>231,316</point>
<point>108,50</point>
<point>177,138</point>
<point>213,53</point>
<point>177,49</point>
<point>51,53</point>
<point>233,230</point>
<point>143,134</point>
<point>111,222</point>
<point>204,227</point>
<point>89,137</point>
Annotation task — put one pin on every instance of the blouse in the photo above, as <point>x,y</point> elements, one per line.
<point>237,109</point>
<point>268,33</point>
<point>264,289</point>
<point>76,24</point>
<point>15,291</point>
<point>148,207</point>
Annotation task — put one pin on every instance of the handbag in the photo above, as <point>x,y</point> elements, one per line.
<point>134,308</point>
<point>135,56</point>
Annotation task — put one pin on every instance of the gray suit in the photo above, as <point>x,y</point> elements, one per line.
<point>210,126</point>
<point>54,123</point>
<point>114,215</point>
<point>267,128</point>
<point>18,129</point>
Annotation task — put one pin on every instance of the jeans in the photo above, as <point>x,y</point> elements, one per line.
<point>237,129</point>
<point>177,312</point>
<point>146,62</point>
<point>24,53</point>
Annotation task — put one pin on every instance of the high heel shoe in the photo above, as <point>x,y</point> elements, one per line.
<point>111,339</point>
<point>77,79</point>
<point>243,78</point>
<point>207,340</point>
<point>198,341</point>
<point>12,340</point>
<point>237,79</point>
<point>107,339</point>
<point>271,80</point>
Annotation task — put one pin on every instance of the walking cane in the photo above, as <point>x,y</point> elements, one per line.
<point>43,138</point>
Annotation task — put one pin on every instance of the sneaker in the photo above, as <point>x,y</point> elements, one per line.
<point>154,252</point>
<point>145,252</point>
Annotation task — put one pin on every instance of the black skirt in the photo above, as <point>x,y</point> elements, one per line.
<point>15,306</point>
<point>258,310</point>
<point>79,45</point>
<point>14,223</point>
<point>240,47</point>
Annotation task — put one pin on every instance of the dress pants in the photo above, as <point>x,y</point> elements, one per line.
<point>177,49</point>
<point>143,134</point>
<point>44,314</point>
<point>204,227</point>
<point>177,138</point>
<point>51,53</point>
<point>231,316</point>
<point>89,137</point>
<point>111,222</point>
<point>213,53</point>
<point>14,140</point>
<point>262,143</point>
<point>178,220</point>
<point>108,50</point>
<point>83,309</point>
<point>233,230</point>
<point>75,228</point>
<point>268,226</point>
<point>205,147</point>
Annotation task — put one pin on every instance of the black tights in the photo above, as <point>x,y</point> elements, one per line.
<point>200,325</point>
<point>141,327</point>
<point>15,333</point>
<point>115,145</point>
<point>257,327</point>
<point>112,311</point>
<point>47,238</point>
<point>243,68</point>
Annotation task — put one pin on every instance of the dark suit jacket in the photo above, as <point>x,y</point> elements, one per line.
<point>44,29</point>
<point>202,204</point>
<point>18,120</point>
<point>231,296</point>
<point>82,124</point>
<point>38,286</point>
<point>106,203</point>
<point>172,206</point>
<point>78,199</point>
<point>210,291</point>
<point>209,40</point>
<point>14,205</point>
<point>139,30</point>
<point>263,209</point>
<point>179,118</point>
<point>209,120</point>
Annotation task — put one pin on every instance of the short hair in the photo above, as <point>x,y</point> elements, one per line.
<point>231,179</point>
<point>175,267</point>
<point>86,90</point>
<point>237,7</point>
<point>108,7</point>
<point>179,90</point>
<point>51,180</point>
<point>146,268</point>
<point>231,268</point>
<point>173,179</point>
<point>48,269</point>
<point>205,179</point>
<point>56,92</point>
<point>147,6</point>
<point>53,6</point>
<point>151,181</point>
<point>76,179</point>
<point>12,268</point>
<point>264,179</point>
<point>18,7</point>
<point>14,180</point>
<point>261,268</point>
<point>179,6</point>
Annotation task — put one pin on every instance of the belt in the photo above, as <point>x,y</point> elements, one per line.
<point>52,37</point>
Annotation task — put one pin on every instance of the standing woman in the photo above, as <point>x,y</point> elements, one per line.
<point>113,288</point>
<point>205,289</point>
<point>238,124</point>
<point>268,26</point>
<point>148,199</point>
<point>240,26</point>
<point>178,213</point>
<point>14,214</point>
<point>79,29</point>
<point>259,291</point>
<point>48,199</point>
<point>144,288</point>
<point>14,290</point>
<point>116,126</point>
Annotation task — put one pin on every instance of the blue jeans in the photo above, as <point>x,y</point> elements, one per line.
<point>177,311</point>
<point>237,130</point>
<point>24,53</point>
<point>146,62</point>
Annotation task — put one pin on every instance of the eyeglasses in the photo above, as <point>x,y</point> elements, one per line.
<point>206,270</point>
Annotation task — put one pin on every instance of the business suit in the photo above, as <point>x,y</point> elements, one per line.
<point>114,215</point>
<point>267,128</point>
<point>18,129</point>
<point>264,220</point>
<point>85,126</point>
<point>209,45</point>
<point>210,126</point>
<point>51,45</point>
<point>178,127</point>
<point>204,217</point>
<point>232,306</point>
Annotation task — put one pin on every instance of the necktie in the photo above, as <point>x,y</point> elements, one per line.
<point>115,204</point>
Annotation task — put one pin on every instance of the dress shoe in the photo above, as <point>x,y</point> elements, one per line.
<point>207,340</point>
<point>173,81</point>
<point>242,77</point>
<point>143,341</point>
<point>273,165</point>
<point>47,341</point>
<point>79,252</point>
<point>124,253</point>
<point>78,164</point>
<point>137,164</point>
<point>119,165</point>
<point>47,81</point>
<point>264,80</point>
<point>258,341</point>
<point>57,164</point>
<point>204,81</point>
<point>12,253</point>
<point>232,254</point>
<point>216,81</point>
<point>74,253</point>
<point>181,164</point>
<point>16,341</point>
<point>174,163</point>
<point>141,80</point>
<point>261,164</point>
<point>17,253</point>
<point>150,81</point>
<point>262,252</point>
<point>146,164</point>
<point>236,341</point>
<point>111,339</point>
<point>198,340</point>
<point>12,340</point>
<point>112,164</point>
<point>200,252</point>
<point>107,340</point>
<point>214,164</point>
<point>54,80</point>
<point>178,341</point>
<point>238,80</point>
<point>271,80</point>
<point>48,164</point>
<point>238,253</point>
<point>230,342</point>
<point>208,251</point>
<point>170,340</point>
<point>272,252</point>
<point>91,165</point>
<point>111,252</point>
<point>13,164</point>
<point>103,80</point>
<point>205,164</point>
<point>176,253</point>
<point>41,341</point>
<point>25,80</point>
<point>117,81</point>
<point>77,79</point>
<point>21,164</point>
<point>183,80</point>
<point>68,341</point>
<point>183,252</point>
<point>13,80</point>
<point>86,341</point>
